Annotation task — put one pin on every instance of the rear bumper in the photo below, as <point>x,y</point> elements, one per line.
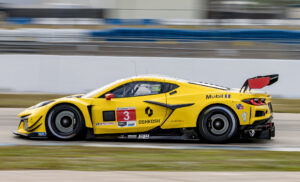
<point>262,129</point>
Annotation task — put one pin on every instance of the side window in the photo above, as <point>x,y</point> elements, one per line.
<point>141,89</point>
<point>169,87</point>
<point>146,88</point>
<point>121,91</point>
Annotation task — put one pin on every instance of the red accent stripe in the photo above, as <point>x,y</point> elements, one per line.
<point>258,83</point>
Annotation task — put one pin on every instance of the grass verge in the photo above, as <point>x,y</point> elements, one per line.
<point>26,100</point>
<point>127,159</point>
<point>286,105</point>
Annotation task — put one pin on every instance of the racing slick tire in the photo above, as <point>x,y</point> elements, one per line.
<point>217,124</point>
<point>65,122</point>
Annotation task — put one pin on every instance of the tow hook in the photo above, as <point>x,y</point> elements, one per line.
<point>251,133</point>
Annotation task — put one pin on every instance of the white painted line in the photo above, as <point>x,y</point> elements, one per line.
<point>215,147</point>
<point>171,147</point>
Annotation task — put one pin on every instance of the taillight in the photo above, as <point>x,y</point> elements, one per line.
<point>255,102</point>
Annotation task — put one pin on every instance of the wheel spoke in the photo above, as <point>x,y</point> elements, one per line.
<point>64,122</point>
<point>219,124</point>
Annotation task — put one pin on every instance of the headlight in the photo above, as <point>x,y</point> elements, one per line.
<point>25,122</point>
<point>41,104</point>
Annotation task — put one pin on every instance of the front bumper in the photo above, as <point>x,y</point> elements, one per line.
<point>33,131</point>
<point>262,129</point>
<point>32,124</point>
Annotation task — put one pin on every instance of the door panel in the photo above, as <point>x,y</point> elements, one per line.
<point>127,115</point>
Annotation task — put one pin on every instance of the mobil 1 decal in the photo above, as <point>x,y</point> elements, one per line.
<point>126,116</point>
<point>218,96</point>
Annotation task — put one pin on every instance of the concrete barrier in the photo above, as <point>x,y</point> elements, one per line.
<point>79,74</point>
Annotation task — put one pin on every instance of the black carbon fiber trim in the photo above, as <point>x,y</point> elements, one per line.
<point>173,107</point>
<point>30,130</point>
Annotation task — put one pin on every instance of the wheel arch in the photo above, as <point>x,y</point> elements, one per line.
<point>218,104</point>
<point>82,108</point>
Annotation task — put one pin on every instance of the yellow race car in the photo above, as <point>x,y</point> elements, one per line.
<point>147,107</point>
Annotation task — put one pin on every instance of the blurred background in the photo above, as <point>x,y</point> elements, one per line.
<point>72,46</point>
<point>54,48</point>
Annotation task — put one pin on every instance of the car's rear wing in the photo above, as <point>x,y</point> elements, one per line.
<point>259,82</point>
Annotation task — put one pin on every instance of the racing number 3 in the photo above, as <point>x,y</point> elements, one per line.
<point>126,114</point>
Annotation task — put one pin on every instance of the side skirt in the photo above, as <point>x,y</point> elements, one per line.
<point>156,134</point>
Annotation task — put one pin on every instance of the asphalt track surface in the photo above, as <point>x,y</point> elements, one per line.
<point>286,139</point>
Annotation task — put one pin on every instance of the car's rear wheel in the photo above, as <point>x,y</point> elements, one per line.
<point>217,124</point>
<point>65,122</point>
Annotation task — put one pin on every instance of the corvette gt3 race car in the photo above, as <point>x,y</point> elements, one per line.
<point>149,107</point>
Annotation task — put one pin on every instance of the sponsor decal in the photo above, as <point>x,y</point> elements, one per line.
<point>218,96</point>
<point>41,134</point>
<point>149,111</point>
<point>126,124</point>
<point>131,136</point>
<point>105,123</point>
<point>130,123</point>
<point>239,106</point>
<point>144,136</point>
<point>244,116</point>
<point>148,121</point>
<point>121,124</point>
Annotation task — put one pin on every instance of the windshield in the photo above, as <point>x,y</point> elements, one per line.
<point>96,91</point>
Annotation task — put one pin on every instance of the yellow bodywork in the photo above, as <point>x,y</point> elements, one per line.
<point>199,96</point>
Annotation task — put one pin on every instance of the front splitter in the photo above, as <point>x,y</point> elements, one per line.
<point>31,135</point>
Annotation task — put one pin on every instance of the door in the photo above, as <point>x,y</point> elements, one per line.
<point>128,112</point>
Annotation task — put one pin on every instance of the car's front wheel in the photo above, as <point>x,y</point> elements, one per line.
<point>65,122</point>
<point>217,124</point>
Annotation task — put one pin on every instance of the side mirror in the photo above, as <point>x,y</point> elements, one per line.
<point>109,96</point>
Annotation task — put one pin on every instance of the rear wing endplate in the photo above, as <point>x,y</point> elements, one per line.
<point>259,82</point>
